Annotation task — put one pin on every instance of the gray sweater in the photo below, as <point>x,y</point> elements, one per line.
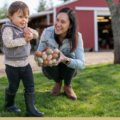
<point>17,53</point>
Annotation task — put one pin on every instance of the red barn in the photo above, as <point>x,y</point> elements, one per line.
<point>93,21</point>
<point>93,15</point>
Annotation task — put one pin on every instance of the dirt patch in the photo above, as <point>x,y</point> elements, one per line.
<point>90,59</point>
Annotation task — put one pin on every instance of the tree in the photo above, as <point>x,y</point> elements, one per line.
<point>42,6</point>
<point>50,4</point>
<point>115,15</point>
<point>3,12</point>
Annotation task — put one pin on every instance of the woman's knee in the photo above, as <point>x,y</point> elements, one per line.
<point>52,73</point>
<point>67,73</point>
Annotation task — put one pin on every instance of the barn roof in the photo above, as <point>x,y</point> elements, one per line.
<point>31,16</point>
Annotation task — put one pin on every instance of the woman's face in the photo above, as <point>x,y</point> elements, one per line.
<point>62,24</point>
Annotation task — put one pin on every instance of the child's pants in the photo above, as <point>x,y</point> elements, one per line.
<point>14,74</point>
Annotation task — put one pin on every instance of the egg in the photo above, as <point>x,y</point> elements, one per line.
<point>31,35</point>
<point>38,53</point>
<point>53,61</point>
<point>56,51</point>
<point>54,55</point>
<point>45,49</point>
<point>49,51</point>
<point>36,58</point>
<point>49,57</point>
<point>40,64</point>
<point>50,62</point>
<point>44,56</point>
<point>45,62</point>
<point>40,60</point>
<point>44,53</point>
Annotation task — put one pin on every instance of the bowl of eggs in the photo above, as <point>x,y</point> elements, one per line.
<point>47,57</point>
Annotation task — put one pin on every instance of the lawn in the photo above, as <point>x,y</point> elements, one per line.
<point>96,86</point>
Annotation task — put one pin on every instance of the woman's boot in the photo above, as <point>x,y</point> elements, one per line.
<point>69,91</point>
<point>30,106</point>
<point>56,89</point>
<point>9,102</point>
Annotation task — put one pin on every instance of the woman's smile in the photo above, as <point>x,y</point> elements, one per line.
<point>57,29</point>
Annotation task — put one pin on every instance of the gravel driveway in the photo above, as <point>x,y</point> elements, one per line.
<point>90,58</point>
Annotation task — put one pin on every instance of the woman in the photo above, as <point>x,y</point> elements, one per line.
<point>64,36</point>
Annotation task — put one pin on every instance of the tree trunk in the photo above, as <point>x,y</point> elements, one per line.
<point>115,21</point>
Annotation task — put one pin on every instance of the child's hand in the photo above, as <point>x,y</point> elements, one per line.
<point>28,37</point>
<point>27,30</point>
<point>28,34</point>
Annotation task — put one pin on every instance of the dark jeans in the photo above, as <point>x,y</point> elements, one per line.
<point>57,73</point>
<point>14,74</point>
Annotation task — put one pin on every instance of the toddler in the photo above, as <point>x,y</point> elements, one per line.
<point>16,44</point>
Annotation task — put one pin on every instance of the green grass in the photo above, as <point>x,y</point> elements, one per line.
<point>97,88</point>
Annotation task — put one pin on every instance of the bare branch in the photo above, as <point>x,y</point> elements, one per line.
<point>112,7</point>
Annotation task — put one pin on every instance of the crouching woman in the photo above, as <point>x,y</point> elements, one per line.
<point>64,36</point>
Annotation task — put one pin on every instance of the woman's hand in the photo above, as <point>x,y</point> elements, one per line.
<point>62,58</point>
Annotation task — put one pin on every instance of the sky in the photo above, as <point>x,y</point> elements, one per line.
<point>32,4</point>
